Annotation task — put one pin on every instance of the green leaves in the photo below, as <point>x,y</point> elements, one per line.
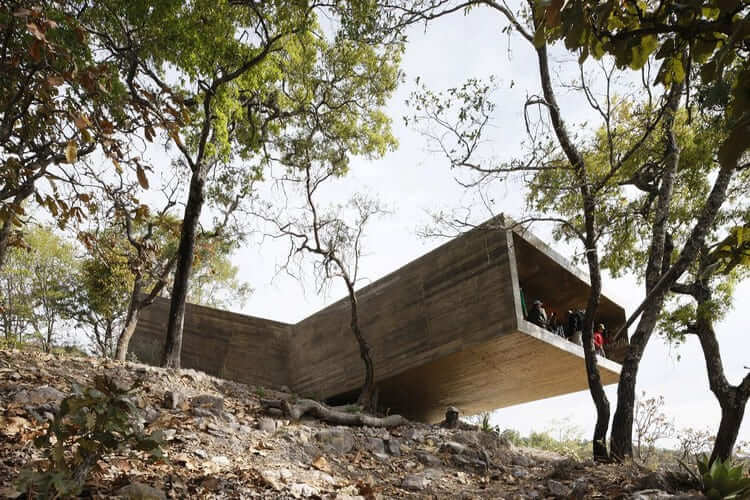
<point>91,422</point>
<point>722,481</point>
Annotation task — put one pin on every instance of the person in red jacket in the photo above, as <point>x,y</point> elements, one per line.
<point>599,340</point>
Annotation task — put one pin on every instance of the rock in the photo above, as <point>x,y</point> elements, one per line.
<point>215,430</point>
<point>464,456</point>
<point>200,453</point>
<point>454,448</point>
<point>413,434</point>
<point>220,460</point>
<point>557,489</point>
<point>520,472</point>
<point>302,490</point>
<point>415,482</point>
<point>39,396</point>
<point>150,415</point>
<point>521,459</point>
<point>393,446</point>
<point>276,478</point>
<point>376,446</point>
<point>563,469</point>
<point>140,491</point>
<point>266,424</point>
<point>338,440</point>
<point>428,459</point>
<point>580,490</point>
<point>208,402</point>
<point>657,494</point>
<point>275,412</point>
<point>169,434</point>
<point>175,400</point>
<point>654,481</point>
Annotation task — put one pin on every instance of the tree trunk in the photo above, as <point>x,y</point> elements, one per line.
<point>185,253</point>
<point>7,225</point>
<point>621,441</point>
<point>732,399</point>
<point>131,321</point>
<point>732,413</point>
<point>367,395</point>
<point>576,159</point>
<point>4,240</point>
<point>596,388</point>
<point>659,261</point>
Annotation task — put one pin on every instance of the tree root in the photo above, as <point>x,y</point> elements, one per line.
<point>309,407</point>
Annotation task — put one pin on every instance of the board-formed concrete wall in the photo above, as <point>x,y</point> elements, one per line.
<point>228,345</point>
<point>457,295</point>
<point>444,329</point>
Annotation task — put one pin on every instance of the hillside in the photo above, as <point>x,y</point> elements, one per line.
<point>221,443</point>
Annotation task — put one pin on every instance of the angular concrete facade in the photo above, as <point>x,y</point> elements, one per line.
<point>445,329</point>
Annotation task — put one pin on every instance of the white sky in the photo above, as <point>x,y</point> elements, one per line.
<point>414,182</point>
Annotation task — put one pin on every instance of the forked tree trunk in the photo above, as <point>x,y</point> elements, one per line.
<point>732,399</point>
<point>185,254</point>
<point>732,412</point>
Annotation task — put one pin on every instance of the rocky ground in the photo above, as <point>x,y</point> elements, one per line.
<point>222,444</point>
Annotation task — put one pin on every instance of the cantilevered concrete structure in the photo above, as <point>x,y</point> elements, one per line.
<point>445,329</point>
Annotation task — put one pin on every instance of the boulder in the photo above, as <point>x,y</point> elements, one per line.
<point>175,400</point>
<point>393,447</point>
<point>557,489</point>
<point>337,440</point>
<point>207,403</point>
<point>415,482</point>
<point>39,396</point>
<point>266,424</point>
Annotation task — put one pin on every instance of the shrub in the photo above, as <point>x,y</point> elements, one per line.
<point>90,423</point>
<point>720,480</point>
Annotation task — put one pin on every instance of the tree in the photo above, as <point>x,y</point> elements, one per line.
<point>573,182</point>
<point>229,97</point>
<point>539,22</point>
<point>336,243</point>
<point>37,283</point>
<point>16,306</point>
<point>651,425</point>
<point>708,38</point>
<point>214,282</point>
<point>102,299</point>
<point>132,255</point>
<point>59,104</point>
<point>52,281</point>
<point>710,284</point>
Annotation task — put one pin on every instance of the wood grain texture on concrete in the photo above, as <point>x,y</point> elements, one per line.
<point>445,329</point>
<point>229,345</point>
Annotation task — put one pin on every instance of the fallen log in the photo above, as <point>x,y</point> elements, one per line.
<point>303,407</point>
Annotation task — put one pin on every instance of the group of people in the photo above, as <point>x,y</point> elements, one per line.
<point>572,329</point>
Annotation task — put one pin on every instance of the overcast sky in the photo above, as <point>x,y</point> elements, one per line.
<point>414,182</point>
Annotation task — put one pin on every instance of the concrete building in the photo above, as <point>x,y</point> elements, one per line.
<point>447,329</point>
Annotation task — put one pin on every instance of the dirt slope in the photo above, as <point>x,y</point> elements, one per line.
<point>222,444</point>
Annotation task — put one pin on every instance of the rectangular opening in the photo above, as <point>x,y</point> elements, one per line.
<point>546,276</point>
